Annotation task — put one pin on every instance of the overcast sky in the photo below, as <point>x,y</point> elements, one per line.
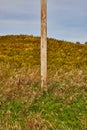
<point>67,19</point>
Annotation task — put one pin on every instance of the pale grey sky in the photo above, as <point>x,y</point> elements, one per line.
<point>67,19</point>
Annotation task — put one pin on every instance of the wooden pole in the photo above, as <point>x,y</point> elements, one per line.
<point>43,44</point>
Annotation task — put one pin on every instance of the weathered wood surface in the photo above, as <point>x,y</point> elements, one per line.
<point>43,43</point>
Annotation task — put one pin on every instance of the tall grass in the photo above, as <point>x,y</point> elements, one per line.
<point>23,105</point>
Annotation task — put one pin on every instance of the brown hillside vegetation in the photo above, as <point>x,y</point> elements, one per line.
<point>23,106</point>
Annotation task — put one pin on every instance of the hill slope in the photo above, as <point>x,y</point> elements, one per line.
<point>23,105</point>
<point>26,49</point>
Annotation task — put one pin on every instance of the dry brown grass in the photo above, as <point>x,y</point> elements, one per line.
<point>23,105</point>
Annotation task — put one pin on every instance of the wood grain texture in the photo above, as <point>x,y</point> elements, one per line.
<point>43,43</point>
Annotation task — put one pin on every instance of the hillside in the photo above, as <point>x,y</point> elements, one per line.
<point>23,105</point>
<point>25,49</point>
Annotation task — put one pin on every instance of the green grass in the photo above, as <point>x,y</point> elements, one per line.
<point>23,105</point>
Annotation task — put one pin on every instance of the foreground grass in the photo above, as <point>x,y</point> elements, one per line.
<point>23,105</point>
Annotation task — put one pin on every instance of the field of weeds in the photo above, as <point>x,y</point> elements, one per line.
<point>23,105</point>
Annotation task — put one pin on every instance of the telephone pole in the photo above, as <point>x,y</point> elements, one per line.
<point>44,44</point>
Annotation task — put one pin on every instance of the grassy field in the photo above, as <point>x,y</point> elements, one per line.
<point>23,105</point>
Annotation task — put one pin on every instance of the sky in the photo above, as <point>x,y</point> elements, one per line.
<point>66,19</point>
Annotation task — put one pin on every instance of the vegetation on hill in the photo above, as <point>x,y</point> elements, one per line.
<point>23,105</point>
